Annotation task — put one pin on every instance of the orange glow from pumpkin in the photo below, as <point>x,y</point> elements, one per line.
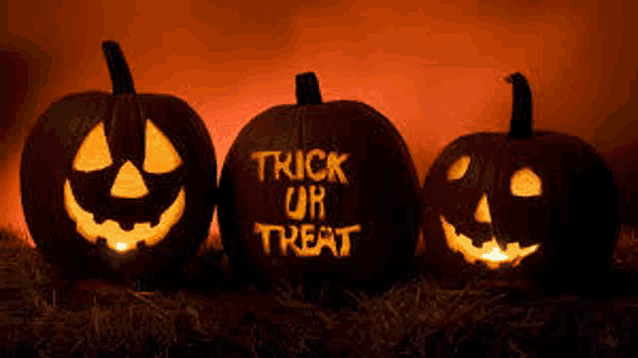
<point>489,252</point>
<point>526,183</point>
<point>110,229</point>
<point>435,71</point>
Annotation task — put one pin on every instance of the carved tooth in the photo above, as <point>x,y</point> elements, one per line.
<point>101,243</point>
<point>141,245</point>
<point>127,225</point>
<point>155,221</point>
<point>99,219</point>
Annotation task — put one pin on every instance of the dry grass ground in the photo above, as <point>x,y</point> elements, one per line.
<point>209,318</point>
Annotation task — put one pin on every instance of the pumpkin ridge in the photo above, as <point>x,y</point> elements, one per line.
<point>299,116</point>
<point>127,117</point>
<point>394,132</point>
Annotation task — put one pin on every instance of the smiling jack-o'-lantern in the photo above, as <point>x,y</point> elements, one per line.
<point>541,203</point>
<point>126,179</point>
<point>326,190</point>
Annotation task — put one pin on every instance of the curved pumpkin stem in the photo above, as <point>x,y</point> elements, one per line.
<point>521,122</point>
<point>118,68</point>
<point>307,89</point>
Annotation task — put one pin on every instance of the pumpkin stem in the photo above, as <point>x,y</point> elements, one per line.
<point>307,89</point>
<point>521,122</point>
<point>118,68</point>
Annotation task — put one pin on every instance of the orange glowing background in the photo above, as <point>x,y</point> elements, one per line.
<point>435,69</point>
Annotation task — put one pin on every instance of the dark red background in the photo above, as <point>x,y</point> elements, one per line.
<point>435,69</point>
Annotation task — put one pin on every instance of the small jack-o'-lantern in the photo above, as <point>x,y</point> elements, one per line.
<point>325,188</point>
<point>126,179</point>
<point>523,202</point>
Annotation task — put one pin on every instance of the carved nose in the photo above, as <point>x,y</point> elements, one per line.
<point>129,182</point>
<point>482,213</point>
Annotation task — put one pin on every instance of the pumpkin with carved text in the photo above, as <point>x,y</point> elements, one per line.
<point>120,183</point>
<point>326,190</point>
<point>537,203</point>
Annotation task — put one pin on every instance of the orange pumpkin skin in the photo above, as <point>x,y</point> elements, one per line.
<point>355,175</point>
<point>125,121</point>
<point>542,191</point>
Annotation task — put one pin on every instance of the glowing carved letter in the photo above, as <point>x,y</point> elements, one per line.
<point>317,199</point>
<point>265,230</point>
<point>345,237</point>
<point>334,167</point>
<point>283,166</point>
<point>326,238</point>
<point>299,165</point>
<point>300,211</point>
<point>307,236</point>
<point>285,241</point>
<point>320,174</point>
<point>261,160</point>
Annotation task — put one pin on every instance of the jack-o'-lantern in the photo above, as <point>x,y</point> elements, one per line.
<point>121,183</point>
<point>323,188</point>
<point>540,203</point>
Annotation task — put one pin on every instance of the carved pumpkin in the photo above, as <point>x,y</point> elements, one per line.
<point>121,183</point>
<point>540,203</point>
<point>323,188</point>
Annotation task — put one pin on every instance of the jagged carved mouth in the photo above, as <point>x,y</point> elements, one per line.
<point>117,238</point>
<point>489,253</point>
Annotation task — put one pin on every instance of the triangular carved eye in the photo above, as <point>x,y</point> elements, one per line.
<point>457,170</point>
<point>161,156</point>
<point>94,151</point>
